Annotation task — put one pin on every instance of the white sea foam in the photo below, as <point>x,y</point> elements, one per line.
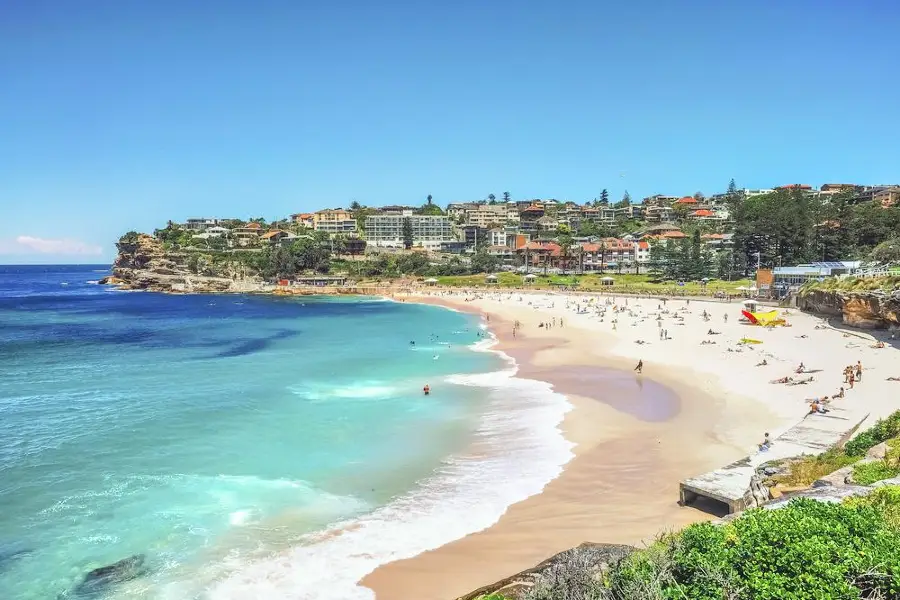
<point>359,390</point>
<point>525,450</point>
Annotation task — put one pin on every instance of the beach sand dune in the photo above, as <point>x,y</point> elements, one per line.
<point>696,406</point>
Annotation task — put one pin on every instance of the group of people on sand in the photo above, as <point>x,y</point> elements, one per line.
<point>853,374</point>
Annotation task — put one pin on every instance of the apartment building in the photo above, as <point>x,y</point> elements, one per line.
<point>334,221</point>
<point>429,231</point>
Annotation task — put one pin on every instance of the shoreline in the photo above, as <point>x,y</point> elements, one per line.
<point>621,485</point>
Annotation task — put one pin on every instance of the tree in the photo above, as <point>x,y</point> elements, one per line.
<point>506,196</point>
<point>732,188</point>
<point>407,233</point>
<point>604,197</point>
<point>429,198</point>
<point>887,252</point>
<point>482,262</point>
<point>355,206</point>
<point>699,197</point>
<point>492,199</point>
<point>565,242</point>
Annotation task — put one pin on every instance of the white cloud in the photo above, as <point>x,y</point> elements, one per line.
<point>26,244</point>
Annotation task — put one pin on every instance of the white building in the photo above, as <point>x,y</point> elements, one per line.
<point>429,231</point>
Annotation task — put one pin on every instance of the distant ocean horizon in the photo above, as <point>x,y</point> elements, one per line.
<point>248,446</point>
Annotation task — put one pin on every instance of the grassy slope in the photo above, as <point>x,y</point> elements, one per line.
<point>592,282</point>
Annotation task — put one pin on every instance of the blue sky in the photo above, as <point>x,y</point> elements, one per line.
<point>121,115</point>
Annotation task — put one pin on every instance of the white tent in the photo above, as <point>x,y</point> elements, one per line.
<point>431,281</point>
<point>530,277</point>
<point>607,280</point>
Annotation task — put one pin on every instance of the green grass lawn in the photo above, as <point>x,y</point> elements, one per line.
<point>592,282</point>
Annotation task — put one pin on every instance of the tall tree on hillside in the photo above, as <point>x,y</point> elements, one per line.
<point>625,202</point>
<point>699,197</point>
<point>506,196</point>
<point>732,188</point>
<point>492,199</point>
<point>429,198</point>
<point>355,206</point>
<point>407,233</point>
<point>604,197</point>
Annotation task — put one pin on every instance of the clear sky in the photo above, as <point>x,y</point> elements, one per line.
<point>119,115</point>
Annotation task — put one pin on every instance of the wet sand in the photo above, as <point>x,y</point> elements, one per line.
<point>636,436</point>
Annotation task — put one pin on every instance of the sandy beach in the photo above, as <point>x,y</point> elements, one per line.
<point>696,406</point>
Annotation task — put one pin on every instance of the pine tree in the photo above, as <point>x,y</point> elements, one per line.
<point>408,239</point>
<point>604,196</point>
<point>506,196</point>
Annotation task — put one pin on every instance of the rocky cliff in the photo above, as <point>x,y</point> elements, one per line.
<point>867,310</point>
<point>144,264</point>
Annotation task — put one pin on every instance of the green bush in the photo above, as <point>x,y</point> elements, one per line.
<point>869,473</point>
<point>885,500</point>
<point>807,550</point>
<point>883,430</point>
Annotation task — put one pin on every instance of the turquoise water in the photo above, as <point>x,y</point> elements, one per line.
<point>247,447</point>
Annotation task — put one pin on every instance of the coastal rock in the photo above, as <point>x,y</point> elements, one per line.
<point>878,451</point>
<point>598,557</point>
<point>866,310</point>
<point>95,582</point>
<point>837,478</point>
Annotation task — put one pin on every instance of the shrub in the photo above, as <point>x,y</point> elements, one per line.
<point>807,469</point>
<point>884,429</point>
<point>807,550</point>
<point>869,473</point>
<point>885,500</point>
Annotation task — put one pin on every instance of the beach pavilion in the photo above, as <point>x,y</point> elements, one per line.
<point>607,280</point>
<point>529,278</point>
<point>430,281</point>
<point>491,278</point>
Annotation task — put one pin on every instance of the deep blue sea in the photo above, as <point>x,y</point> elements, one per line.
<point>247,446</point>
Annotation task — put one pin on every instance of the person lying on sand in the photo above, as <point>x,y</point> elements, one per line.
<point>707,342</point>
<point>762,364</point>
<point>782,380</point>
<point>711,332</point>
<point>893,379</point>
<point>878,344</point>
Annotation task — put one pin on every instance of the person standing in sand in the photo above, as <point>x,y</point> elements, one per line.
<point>640,367</point>
<point>859,370</point>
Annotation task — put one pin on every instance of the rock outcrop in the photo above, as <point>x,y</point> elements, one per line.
<point>866,310</point>
<point>599,557</point>
<point>96,582</point>
<point>144,264</point>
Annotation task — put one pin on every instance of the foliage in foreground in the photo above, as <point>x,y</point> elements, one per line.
<point>807,550</point>
<point>883,430</point>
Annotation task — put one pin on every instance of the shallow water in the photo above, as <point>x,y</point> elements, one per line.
<point>211,432</point>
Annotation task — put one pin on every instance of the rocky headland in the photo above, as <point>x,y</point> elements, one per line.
<point>871,309</point>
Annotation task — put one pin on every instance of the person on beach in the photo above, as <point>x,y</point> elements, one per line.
<point>725,317</point>
<point>851,378</point>
<point>640,367</point>
<point>762,364</point>
<point>766,443</point>
<point>840,393</point>
<point>859,370</point>
<point>801,368</point>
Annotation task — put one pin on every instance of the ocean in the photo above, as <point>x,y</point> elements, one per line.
<point>248,446</point>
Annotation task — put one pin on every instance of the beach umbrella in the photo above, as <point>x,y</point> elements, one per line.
<point>742,288</point>
<point>531,276</point>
